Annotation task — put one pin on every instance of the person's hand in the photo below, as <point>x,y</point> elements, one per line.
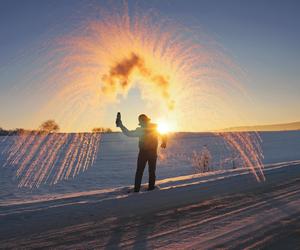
<point>163,145</point>
<point>118,120</point>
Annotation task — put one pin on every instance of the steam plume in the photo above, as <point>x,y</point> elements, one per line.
<point>120,76</point>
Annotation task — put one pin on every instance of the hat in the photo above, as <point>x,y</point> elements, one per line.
<point>143,118</point>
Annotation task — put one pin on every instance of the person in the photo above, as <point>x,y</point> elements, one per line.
<point>148,143</point>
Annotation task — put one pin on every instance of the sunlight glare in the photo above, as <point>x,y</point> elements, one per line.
<point>163,127</point>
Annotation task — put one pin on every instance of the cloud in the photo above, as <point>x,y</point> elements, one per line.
<point>121,73</point>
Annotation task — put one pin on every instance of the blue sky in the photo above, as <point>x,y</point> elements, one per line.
<point>262,37</point>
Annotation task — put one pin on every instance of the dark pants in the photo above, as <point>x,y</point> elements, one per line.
<point>143,158</point>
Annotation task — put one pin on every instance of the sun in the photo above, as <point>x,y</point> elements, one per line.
<point>163,127</point>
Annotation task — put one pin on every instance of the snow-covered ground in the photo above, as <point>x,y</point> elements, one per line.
<point>225,208</point>
<point>115,163</point>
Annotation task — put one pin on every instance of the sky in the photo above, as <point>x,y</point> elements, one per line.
<point>262,37</point>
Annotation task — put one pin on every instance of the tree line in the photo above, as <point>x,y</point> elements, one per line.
<point>49,126</point>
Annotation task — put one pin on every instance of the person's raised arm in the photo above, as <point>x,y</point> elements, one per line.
<point>130,133</point>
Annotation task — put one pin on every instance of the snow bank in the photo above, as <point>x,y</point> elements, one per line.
<point>171,190</point>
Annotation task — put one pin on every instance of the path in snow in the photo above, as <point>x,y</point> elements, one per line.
<point>233,212</point>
